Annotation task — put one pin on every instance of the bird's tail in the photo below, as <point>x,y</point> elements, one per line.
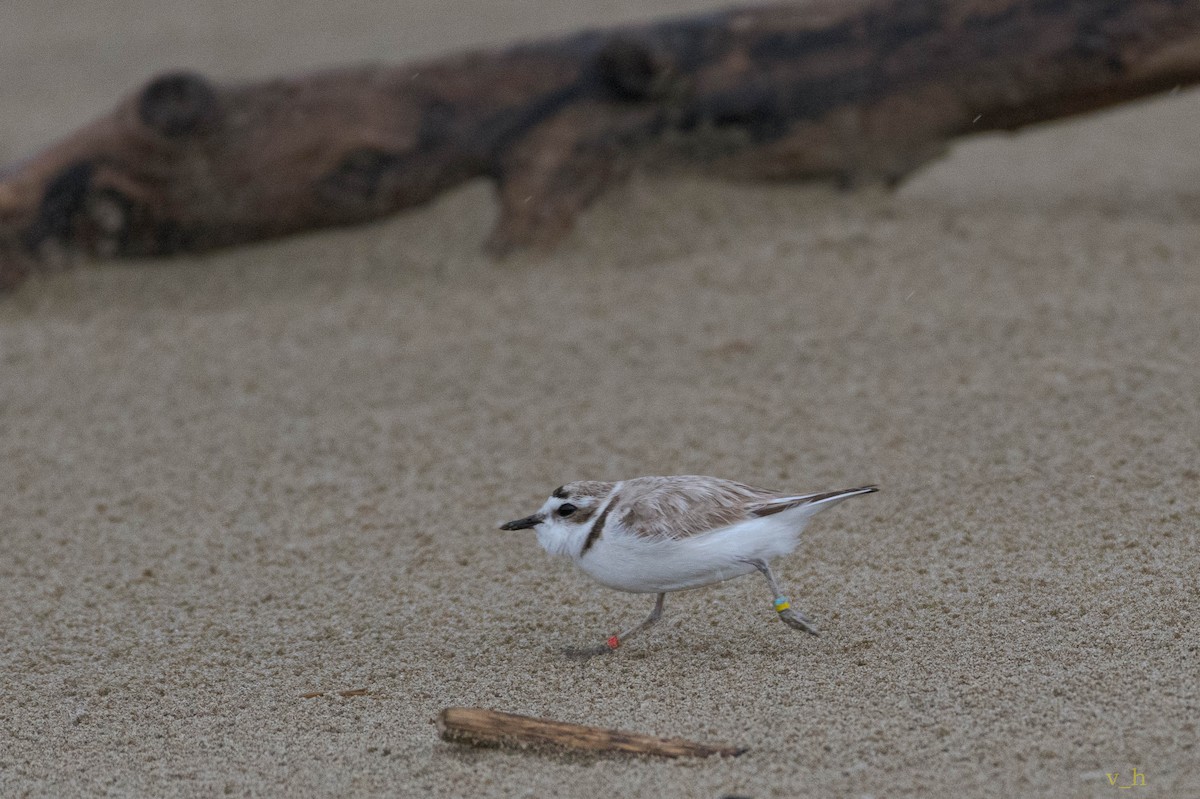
<point>814,503</point>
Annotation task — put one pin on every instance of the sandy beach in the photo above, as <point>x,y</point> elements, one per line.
<point>235,480</point>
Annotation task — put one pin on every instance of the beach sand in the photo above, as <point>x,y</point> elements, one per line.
<point>234,480</point>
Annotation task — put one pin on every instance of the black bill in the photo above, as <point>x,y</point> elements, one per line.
<point>523,524</point>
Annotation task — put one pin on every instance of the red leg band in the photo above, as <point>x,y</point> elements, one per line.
<point>613,642</point>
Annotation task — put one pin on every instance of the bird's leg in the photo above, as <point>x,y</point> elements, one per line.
<point>783,606</point>
<point>614,641</point>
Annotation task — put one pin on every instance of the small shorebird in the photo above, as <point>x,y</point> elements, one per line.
<point>662,534</point>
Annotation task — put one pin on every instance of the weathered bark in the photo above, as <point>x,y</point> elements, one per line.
<point>481,727</point>
<point>856,90</point>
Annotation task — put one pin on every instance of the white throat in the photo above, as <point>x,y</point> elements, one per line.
<point>562,539</point>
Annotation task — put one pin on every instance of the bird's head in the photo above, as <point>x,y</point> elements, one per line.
<point>565,516</point>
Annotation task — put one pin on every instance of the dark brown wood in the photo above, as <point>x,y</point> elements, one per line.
<point>481,727</point>
<point>854,90</point>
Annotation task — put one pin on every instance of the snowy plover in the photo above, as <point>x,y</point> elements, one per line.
<point>661,534</point>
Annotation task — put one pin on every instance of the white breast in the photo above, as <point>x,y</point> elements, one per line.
<point>643,565</point>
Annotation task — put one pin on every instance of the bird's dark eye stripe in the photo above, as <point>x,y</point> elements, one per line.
<point>566,509</point>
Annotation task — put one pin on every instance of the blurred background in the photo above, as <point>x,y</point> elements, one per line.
<point>236,479</point>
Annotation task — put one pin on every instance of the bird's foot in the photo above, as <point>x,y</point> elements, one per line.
<point>583,653</point>
<point>797,621</point>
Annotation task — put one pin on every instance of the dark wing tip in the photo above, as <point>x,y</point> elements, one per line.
<point>771,508</point>
<point>849,492</point>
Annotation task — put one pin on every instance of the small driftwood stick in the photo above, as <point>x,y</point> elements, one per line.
<point>481,727</point>
<point>854,90</point>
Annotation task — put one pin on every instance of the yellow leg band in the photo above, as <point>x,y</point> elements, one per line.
<point>782,604</point>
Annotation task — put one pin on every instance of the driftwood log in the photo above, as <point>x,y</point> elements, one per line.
<point>855,90</point>
<point>480,727</point>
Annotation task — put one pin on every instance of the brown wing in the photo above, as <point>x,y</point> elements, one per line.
<point>679,507</point>
<point>780,504</point>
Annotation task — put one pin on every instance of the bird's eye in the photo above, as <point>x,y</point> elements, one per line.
<point>566,509</point>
